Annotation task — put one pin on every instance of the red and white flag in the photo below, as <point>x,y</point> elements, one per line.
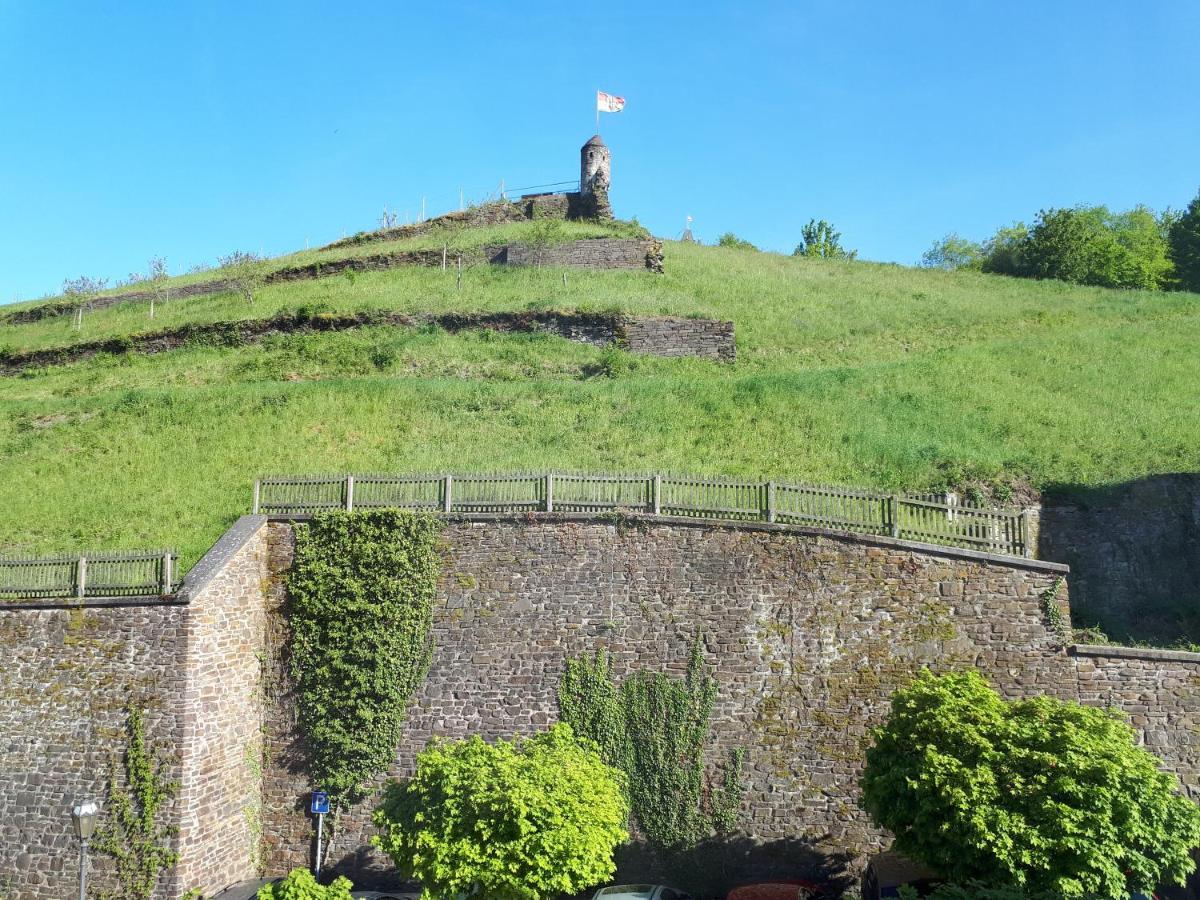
<point>609,102</point>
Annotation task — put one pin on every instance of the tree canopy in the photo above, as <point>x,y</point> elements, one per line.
<point>512,820</point>
<point>1039,794</point>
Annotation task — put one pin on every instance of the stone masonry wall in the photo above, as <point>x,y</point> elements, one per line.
<point>672,336</point>
<point>808,634</point>
<point>594,253</point>
<point>220,796</point>
<point>191,662</point>
<point>69,675</point>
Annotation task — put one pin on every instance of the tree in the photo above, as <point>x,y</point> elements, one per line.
<point>514,820</point>
<point>1002,252</point>
<point>1185,246</point>
<point>820,240</point>
<point>156,274</point>
<point>243,273</point>
<point>80,292</point>
<point>1040,794</point>
<point>953,252</point>
<point>731,240</point>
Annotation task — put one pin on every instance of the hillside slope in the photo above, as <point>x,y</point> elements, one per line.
<point>851,373</point>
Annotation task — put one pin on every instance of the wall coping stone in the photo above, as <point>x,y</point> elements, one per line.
<point>1016,562</point>
<point>213,562</point>
<point>90,602</point>
<point>1149,653</point>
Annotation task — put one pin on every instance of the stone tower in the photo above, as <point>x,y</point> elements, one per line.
<point>595,175</point>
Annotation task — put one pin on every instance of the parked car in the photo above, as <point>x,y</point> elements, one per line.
<point>639,892</point>
<point>777,890</point>
<point>386,895</point>
<point>887,872</point>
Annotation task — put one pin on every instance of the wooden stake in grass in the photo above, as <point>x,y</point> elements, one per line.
<point>459,282</point>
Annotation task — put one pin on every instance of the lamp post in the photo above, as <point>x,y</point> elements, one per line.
<point>83,817</point>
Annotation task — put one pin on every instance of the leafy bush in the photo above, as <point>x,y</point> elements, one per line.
<point>953,252</point>
<point>731,240</point>
<point>1185,247</point>
<point>518,820</point>
<point>301,885</point>
<point>655,729</point>
<point>1086,245</point>
<point>819,240</point>
<point>1040,794</point>
<point>361,592</point>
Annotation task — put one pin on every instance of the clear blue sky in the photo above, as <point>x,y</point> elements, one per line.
<point>189,129</point>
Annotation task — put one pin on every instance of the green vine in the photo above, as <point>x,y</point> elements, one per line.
<point>131,833</point>
<point>1054,616</point>
<point>655,728</point>
<point>361,599</point>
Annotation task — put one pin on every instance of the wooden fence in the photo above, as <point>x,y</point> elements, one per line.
<point>137,574</point>
<point>927,518</point>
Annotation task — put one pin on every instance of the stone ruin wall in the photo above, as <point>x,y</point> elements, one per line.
<point>807,633</point>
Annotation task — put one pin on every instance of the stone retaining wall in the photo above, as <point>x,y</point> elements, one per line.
<point>808,634</point>
<point>596,253</point>
<point>673,336</point>
<point>191,662</point>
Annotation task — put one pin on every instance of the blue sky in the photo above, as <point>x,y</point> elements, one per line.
<point>190,129</point>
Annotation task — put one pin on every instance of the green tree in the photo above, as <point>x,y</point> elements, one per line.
<point>953,252</point>
<point>301,885</point>
<point>1003,251</point>
<point>729,239</point>
<point>1185,246</point>
<point>514,820</point>
<point>820,240</point>
<point>1040,794</point>
<point>80,292</point>
<point>157,276</point>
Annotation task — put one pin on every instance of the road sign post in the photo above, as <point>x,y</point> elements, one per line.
<point>319,807</point>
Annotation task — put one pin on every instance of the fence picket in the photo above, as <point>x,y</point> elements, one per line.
<point>88,575</point>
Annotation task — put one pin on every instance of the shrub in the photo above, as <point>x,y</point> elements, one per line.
<point>301,885</point>
<point>819,240</point>
<point>953,252</point>
<point>1040,794</point>
<point>518,820</point>
<point>1185,247</point>
<point>731,240</point>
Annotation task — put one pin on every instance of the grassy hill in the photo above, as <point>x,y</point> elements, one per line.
<point>854,373</point>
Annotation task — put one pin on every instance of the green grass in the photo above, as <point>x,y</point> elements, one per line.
<point>852,373</point>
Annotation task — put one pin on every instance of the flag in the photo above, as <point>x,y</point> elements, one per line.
<point>609,102</point>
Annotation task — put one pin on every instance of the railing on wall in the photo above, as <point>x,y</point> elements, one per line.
<point>948,522</point>
<point>148,573</point>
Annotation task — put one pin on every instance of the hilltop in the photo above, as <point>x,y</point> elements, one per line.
<point>847,372</point>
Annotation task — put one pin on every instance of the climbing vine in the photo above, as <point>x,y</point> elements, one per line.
<point>361,597</point>
<point>655,729</point>
<point>1054,616</point>
<point>131,833</point>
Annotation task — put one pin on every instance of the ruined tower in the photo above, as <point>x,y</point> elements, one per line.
<point>595,175</point>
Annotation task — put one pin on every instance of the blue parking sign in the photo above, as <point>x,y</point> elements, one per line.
<point>320,803</point>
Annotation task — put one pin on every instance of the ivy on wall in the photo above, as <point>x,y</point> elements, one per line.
<point>655,728</point>
<point>361,598</point>
<point>131,834</point>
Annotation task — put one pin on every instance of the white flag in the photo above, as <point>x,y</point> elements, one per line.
<point>609,102</point>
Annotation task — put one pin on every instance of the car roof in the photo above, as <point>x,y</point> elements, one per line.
<point>627,891</point>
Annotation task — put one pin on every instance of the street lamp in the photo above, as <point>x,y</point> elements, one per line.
<point>83,817</point>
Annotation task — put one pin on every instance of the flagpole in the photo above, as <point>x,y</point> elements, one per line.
<point>597,112</point>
